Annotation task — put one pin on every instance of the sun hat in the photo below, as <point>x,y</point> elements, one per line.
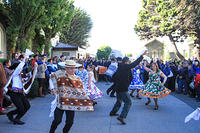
<point>69,63</point>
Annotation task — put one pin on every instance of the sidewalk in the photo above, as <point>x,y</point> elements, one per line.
<point>141,119</point>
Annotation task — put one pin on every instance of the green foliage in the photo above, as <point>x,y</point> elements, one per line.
<point>104,52</point>
<point>25,19</point>
<point>129,55</point>
<point>77,32</point>
<point>38,42</point>
<point>158,19</point>
<point>189,18</point>
<point>22,17</point>
<point>57,15</point>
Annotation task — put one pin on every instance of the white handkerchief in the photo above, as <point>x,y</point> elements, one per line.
<point>28,53</point>
<point>194,115</point>
<point>53,106</point>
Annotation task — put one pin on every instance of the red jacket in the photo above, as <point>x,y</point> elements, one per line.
<point>197,80</point>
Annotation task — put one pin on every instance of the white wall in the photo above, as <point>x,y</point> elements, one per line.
<point>59,53</point>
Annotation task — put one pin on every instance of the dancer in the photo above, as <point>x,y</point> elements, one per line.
<point>154,88</point>
<point>123,80</point>
<point>112,88</point>
<point>17,95</point>
<point>136,83</point>
<point>92,91</point>
<point>70,96</point>
<point>83,74</point>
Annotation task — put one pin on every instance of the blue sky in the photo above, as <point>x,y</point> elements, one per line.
<point>113,24</point>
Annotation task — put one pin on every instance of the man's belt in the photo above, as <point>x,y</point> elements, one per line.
<point>16,90</point>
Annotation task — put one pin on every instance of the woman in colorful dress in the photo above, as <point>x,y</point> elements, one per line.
<point>92,91</point>
<point>83,74</point>
<point>154,88</point>
<point>136,83</point>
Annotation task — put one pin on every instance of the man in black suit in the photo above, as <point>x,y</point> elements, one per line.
<point>123,78</point>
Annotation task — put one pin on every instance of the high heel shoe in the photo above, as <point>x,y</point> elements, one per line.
<point>147,103</point>
<point>156,107</point>
<point>131,95</point>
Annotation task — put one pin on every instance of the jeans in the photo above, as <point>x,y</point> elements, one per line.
<point>58,119</point>
<point>125,97</point>
<point>182,83</point>
<point>21,102</point>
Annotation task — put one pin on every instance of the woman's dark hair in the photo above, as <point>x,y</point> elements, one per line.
<point>6,62</point>
<point>49,60</point>
<point>21,56</point>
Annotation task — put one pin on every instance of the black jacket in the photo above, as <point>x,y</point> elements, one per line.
<point>123,75</point>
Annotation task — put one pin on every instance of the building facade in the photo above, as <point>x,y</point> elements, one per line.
<point>155,49</point>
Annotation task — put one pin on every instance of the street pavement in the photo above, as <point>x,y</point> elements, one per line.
<point>169,118</point>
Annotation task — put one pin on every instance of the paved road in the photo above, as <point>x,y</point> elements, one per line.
<point>141,119</point>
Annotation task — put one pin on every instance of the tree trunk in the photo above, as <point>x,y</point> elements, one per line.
<point>46,47</point>
<point>180,56</point>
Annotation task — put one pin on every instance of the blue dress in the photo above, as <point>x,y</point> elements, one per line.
<point>83,75</point>
<point>136,83</point>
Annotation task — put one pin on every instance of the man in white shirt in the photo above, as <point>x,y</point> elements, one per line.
<point>17,95</point>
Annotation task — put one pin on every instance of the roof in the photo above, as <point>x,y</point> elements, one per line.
<point>63,45</point>
<point>154,40</point>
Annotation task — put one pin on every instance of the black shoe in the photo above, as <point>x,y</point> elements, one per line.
<point>113,114</point>
<point>121,120</point>
<point>17,121</point>
<point>108,91</point>
<point>131,95</point>
<point>94,103</point>
<point>10,117</point>
<point>148,102</point>
<point>156,107</point>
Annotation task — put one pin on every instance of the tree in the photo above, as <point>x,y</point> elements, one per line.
<point>104,52</point>
<point>158,19</point>
<point>129,55</point>
<point>77,32</point>
<point>22,17</point>
<point>189,19</point>
<point>58,14</point>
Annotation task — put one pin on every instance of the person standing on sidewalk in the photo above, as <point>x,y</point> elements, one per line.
<point>123,80</point>
<point>70,96</point>
<point>42,67</point>
<point>2,84</point>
